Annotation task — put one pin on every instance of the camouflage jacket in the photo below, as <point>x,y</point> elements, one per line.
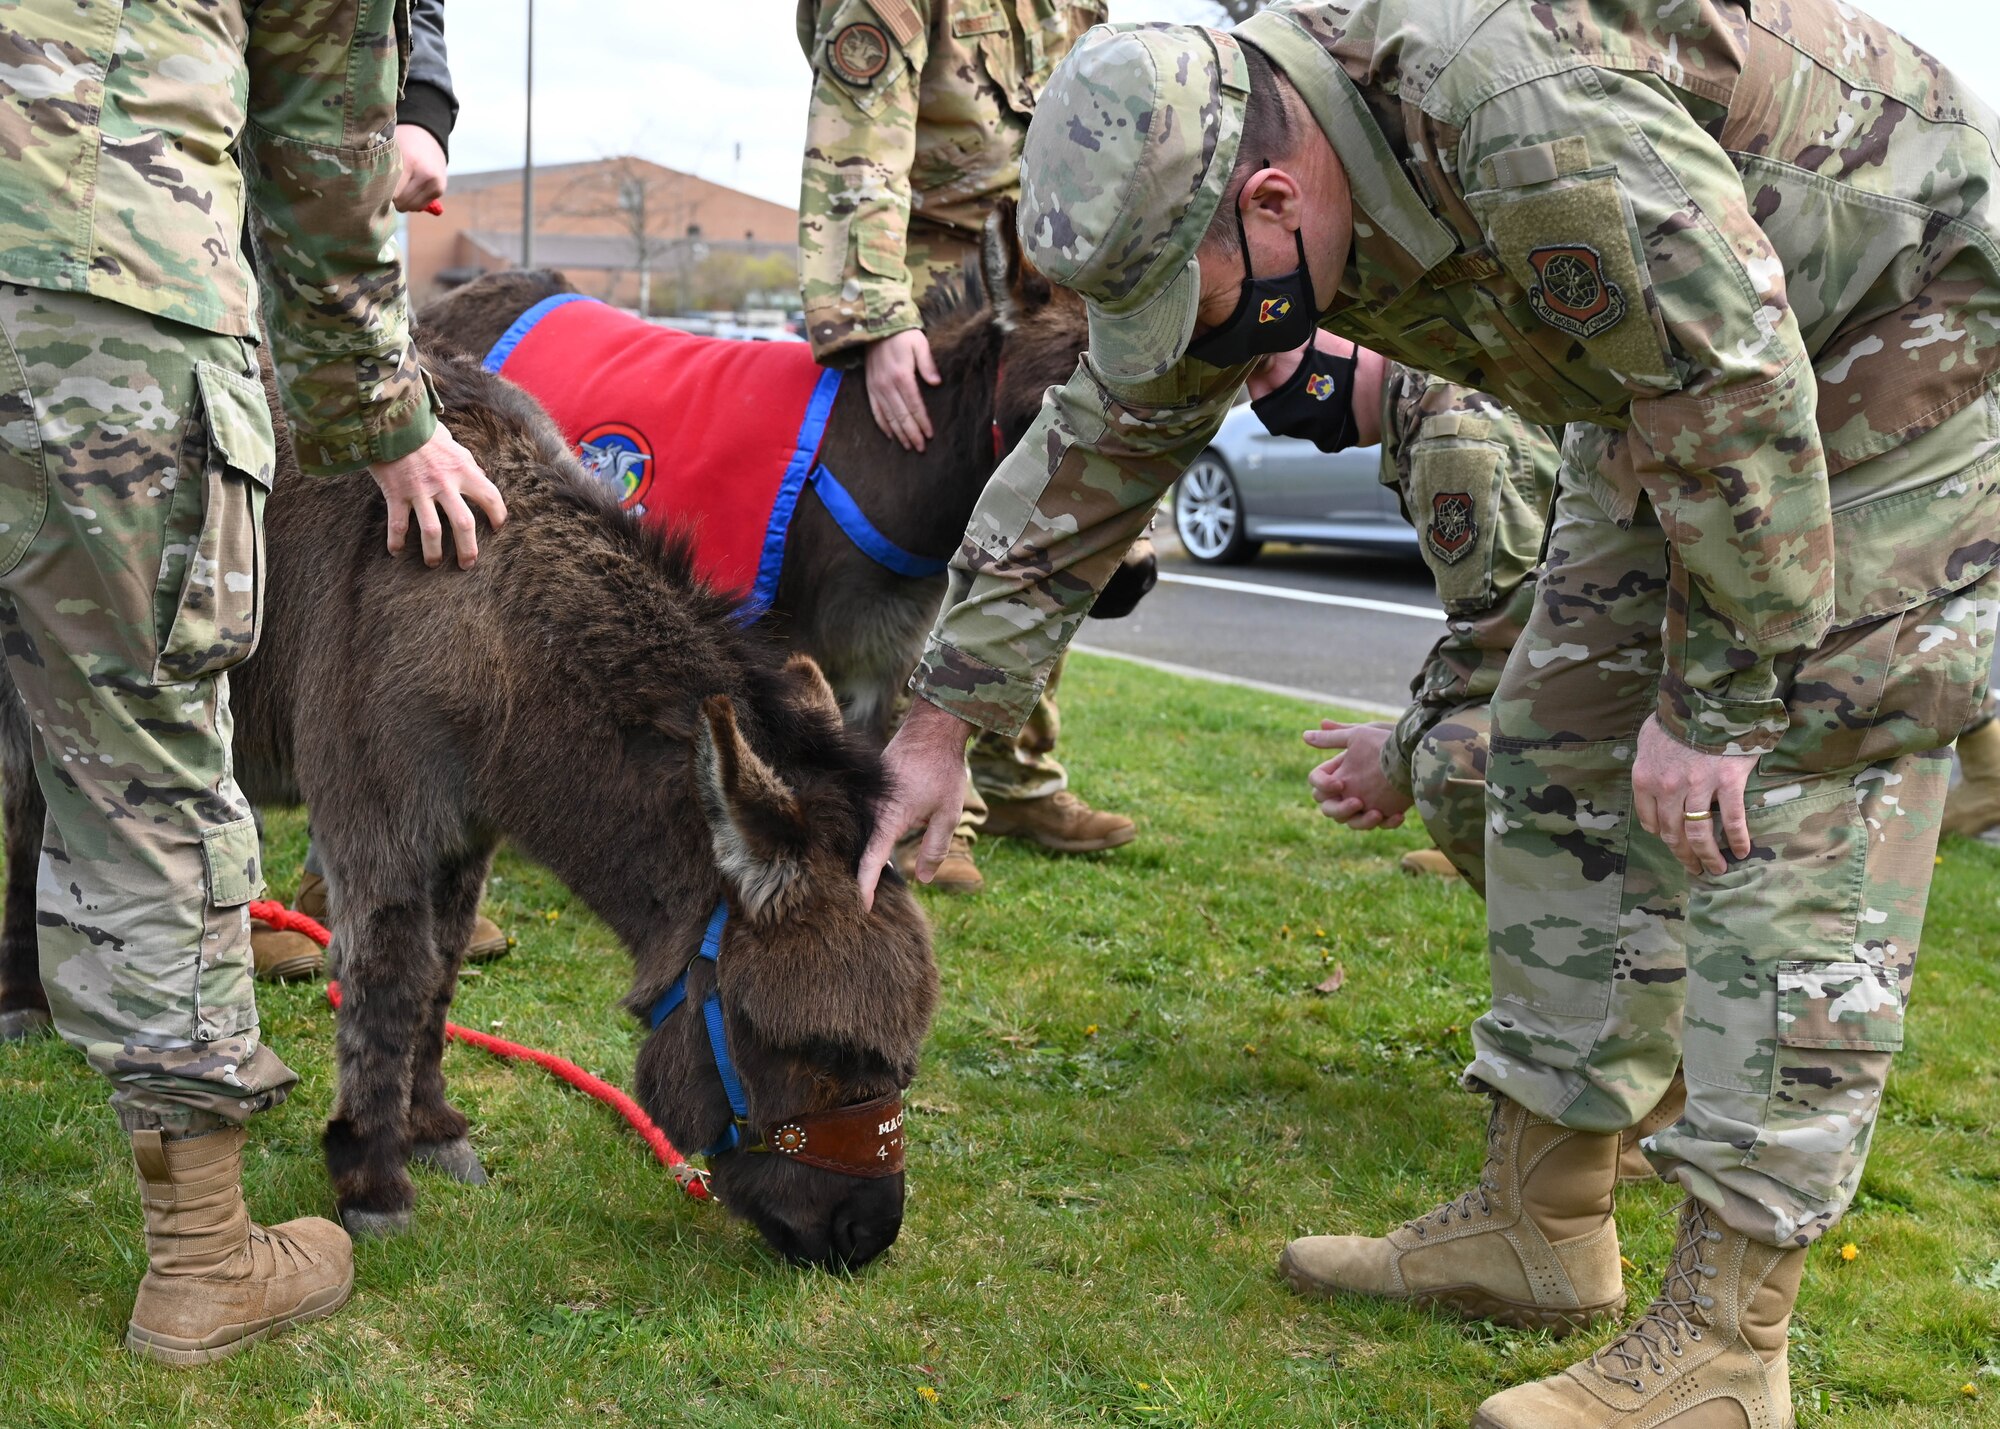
<point>134,134</point>
<point>919,109</point>
<point>1740,255</point>
<point>1476,481</point>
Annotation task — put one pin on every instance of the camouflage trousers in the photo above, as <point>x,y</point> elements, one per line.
<point>1448,778</point>
<point>1781,983</point>
<point>998,767</point>
<point>134,453</point>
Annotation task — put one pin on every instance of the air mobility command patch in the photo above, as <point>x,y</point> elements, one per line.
<point>858,53</point>
<point>1452,528</point>
<point>1571,292</point>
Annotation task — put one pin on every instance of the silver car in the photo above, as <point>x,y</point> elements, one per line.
<point>1250,487</point>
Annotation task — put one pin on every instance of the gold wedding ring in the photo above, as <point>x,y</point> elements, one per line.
<point>1695,818</point>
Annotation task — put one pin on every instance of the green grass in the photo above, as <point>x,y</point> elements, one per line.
<point>1131,1101</point>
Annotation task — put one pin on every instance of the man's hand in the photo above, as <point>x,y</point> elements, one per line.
<point>926,765</point>
<point>439,475</point>
<point>1670,781</point>
<point>1351,788</point>
<point>423,176</point>
<point>892,368</point>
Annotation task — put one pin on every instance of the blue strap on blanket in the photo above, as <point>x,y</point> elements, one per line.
<point>798,471</point>
<point>855,525</point>
<point>525,324</point>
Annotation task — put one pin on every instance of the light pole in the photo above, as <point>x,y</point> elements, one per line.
<point>632,199</point>
<point>528,155</point>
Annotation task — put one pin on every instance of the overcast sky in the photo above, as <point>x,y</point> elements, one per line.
<point>720,90</point>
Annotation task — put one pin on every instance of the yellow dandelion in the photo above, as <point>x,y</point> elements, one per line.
<point>553,914</point>
<point>1319,932</point>
<point>927,1394</point>
<point>1144,1386</point>
<point>1251,1048</point>
<point>1090,1031</point>
<point>1969,1390</point>
<point>1850,1251</point>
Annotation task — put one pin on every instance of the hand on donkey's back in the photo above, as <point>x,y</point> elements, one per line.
<point>436,481</point>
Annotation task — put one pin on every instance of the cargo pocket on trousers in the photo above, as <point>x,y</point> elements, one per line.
<point>1839,1026</point>
<point>211,584</point>
<point>225,998</point>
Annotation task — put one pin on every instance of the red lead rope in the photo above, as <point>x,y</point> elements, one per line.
<point>690,1178</point>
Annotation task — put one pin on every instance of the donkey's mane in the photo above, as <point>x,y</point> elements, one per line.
<point>618,548</point>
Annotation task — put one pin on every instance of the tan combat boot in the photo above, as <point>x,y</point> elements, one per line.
<point>1973,805</point>
<point>1633,1167</point>
<point>1060,821</point>
<point>487,942</point>
<point>1533,1245</point>
<point>281,955</point>
<point>957,874</point>
<point>1708,1354</point>
<point>218,1282</point>
<point>312,900</point>
<point>1428,863</point>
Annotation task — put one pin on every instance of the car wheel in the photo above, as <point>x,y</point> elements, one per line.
<point>1209,515</point>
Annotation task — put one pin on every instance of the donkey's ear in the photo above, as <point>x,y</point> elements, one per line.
<point>812,692</point>
<point>1017,287</point>
<point>758,829</point>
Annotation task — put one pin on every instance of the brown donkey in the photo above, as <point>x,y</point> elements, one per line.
<point>578,694</point>
<point>999,342</point>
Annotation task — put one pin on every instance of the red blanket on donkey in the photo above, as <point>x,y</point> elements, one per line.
<point>716,436</point>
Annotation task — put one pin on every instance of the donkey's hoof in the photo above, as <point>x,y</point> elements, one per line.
<point>374,1225</point>
<point>23,1023</point>
<point>455,1158</point>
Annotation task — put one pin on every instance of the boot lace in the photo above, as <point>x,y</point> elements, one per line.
<point>1678,1313</point>
<point>1480,1197</point>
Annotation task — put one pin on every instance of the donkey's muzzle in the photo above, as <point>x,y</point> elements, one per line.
<point>1137,574</point>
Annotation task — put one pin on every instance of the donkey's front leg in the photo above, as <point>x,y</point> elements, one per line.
<point>24,1009</point>
<point>438,1130</point>
<point>388,975</point>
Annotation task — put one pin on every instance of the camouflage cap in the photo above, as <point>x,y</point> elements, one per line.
<point>1131,147</point>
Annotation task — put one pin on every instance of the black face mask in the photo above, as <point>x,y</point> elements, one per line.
<point>1316,404</point>
<point>1273,315</point>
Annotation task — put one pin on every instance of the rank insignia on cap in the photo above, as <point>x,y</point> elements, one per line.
<point>1273,309</point>
<point>1452,528</point>
<point>1319,386</point>
<point>1572,293</point>
<point>859,53</point>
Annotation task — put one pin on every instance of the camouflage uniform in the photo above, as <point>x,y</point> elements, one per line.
<point>919,112</point>
<point>1775,349</point>
<point>1476,481</point>
<point>135,453</point>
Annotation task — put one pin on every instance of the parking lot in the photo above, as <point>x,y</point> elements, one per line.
<point>1316,621</point>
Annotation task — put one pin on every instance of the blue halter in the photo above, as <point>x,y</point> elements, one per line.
<point>718,1036</point>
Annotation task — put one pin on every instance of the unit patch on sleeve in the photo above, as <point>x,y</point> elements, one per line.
<point>1452,528</point>
<point>859,52</point>
<point>1571,292</point>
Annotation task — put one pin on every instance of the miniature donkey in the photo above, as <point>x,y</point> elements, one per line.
<point>999,342</point>
<point>580,695</point>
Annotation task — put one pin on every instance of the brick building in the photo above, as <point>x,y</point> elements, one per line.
<point>613,227</point>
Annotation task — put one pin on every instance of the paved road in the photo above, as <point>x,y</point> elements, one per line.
<point>1331,622</point>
